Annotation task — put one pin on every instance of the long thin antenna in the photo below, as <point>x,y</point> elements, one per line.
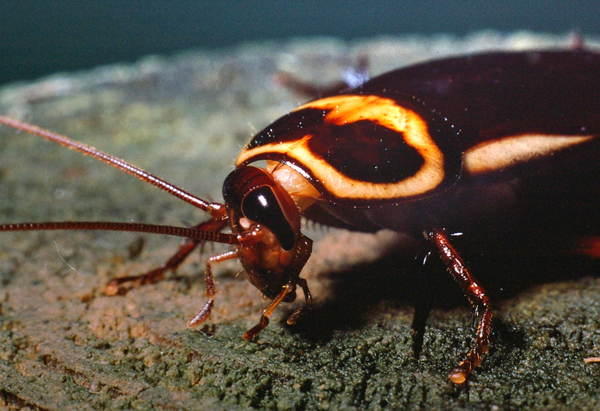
<point>191,232</point>
<point>213,208</point>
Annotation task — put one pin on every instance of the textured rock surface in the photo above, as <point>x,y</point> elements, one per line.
<point>66,346</point>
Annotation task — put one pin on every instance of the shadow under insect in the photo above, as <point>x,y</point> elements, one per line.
<point>417,278</point>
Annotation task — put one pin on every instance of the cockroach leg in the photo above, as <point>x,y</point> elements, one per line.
<point>307,302</point>
<point>153,276</point>
<point>113,287</point>
<point>211,290</point>
<point>267,311</point>
<point>478,299</point>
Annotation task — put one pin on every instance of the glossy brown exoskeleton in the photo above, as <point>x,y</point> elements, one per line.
<point>485,143</point>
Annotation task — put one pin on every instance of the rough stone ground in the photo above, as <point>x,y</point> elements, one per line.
<point>66,346</point>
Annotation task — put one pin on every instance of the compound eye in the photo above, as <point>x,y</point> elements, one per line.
<point>261,206</point>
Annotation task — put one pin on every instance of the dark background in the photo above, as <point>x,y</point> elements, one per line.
<point>39,37</point>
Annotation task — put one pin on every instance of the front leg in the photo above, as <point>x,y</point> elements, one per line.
<point>211,290</point>
<point>307,302</point>
<point>113,287</point>
<point>158,274</point>
<point>478,299</point>
<point>267,311</point>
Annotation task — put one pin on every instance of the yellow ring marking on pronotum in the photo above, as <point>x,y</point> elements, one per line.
<point>385,112</point>
<point>507,151</point>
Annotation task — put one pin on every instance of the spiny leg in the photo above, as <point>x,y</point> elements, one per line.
<point>157,274</point>
<point>267,311</point>
<point>307,302</point>
<point>478,299</point>
<point>248,237</point>
<point>211,290</point>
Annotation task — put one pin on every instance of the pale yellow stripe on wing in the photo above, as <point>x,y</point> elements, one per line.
<point>508,151</point>
<point>348,109</point>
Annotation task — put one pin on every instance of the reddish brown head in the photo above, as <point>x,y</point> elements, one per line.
<point>263,215</point>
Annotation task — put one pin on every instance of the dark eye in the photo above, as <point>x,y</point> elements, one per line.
<point>261,206</point>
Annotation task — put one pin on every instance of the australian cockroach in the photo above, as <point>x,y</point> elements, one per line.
<point>489,142</point>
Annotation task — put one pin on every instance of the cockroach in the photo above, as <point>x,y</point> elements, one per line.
<point>486,143</point>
